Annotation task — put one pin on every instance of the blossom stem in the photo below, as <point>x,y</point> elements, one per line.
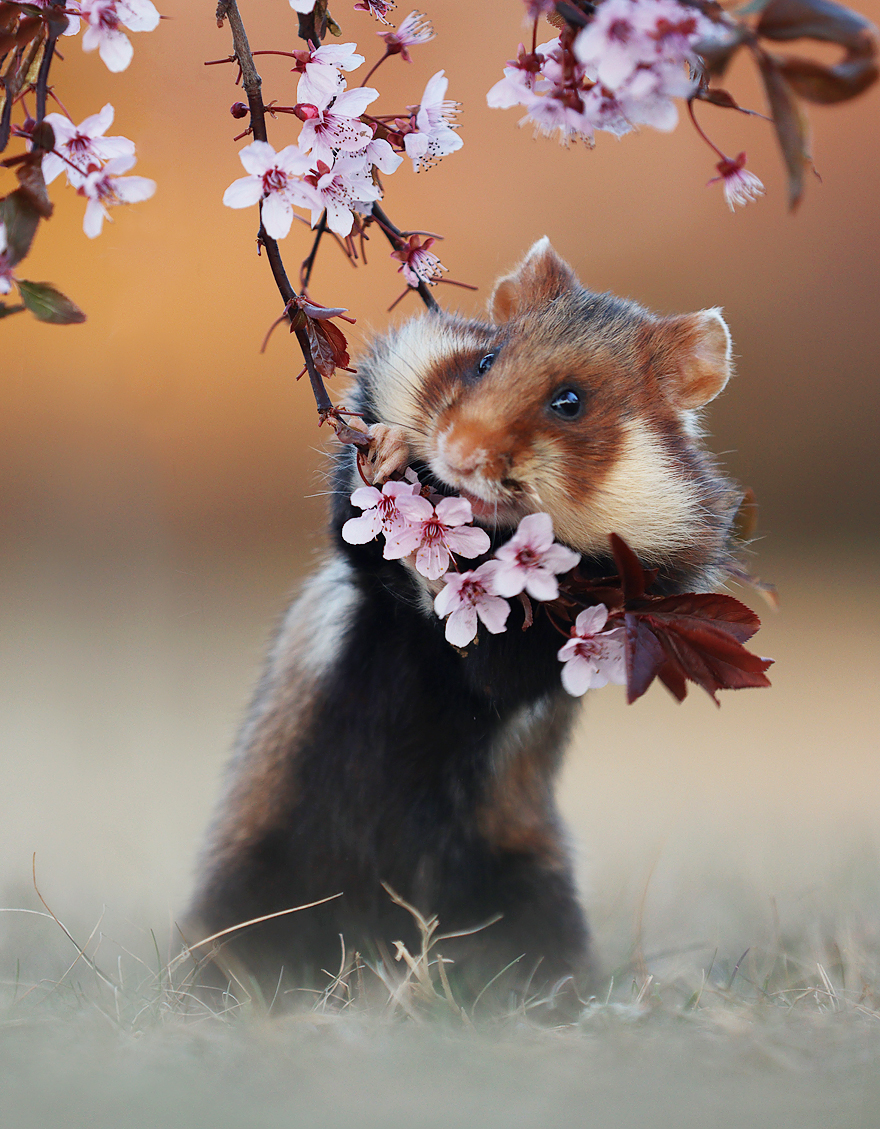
<point>305,271</point>
<point>252,83</point>
<point>376,66</point>
<point>42,82</point>
<point>700,131</point>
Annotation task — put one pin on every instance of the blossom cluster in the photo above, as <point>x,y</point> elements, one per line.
<point>430,529</point>
<point>332,167</point>
<point>621,70</point>
<point>94,165</point>
<point>624,68</point>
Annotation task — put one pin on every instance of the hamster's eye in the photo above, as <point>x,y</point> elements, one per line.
<point>486,363</point>
<point>568,404</point>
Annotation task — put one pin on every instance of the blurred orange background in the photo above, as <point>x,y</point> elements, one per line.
<point>161,479</point>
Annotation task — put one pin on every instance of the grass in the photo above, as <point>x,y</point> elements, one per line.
<point>784,1033</point>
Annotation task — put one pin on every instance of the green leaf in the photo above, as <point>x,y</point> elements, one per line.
<point>17,211</point>
<point>5,310</point>
<point>48,304</point>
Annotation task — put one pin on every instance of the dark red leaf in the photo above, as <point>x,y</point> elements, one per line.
<point>699,609</point>
<point>720,98</point>
<point>674,681</point>
<point>790,125</point>
<point>30,177</point>
<point>817,19</point>
<point>645,657</point>
<point>328,345</point>
<point>29,28</point>
<point>629,568</point>
<point>828,85</point>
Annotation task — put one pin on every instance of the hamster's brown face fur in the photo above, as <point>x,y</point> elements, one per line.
<point>576,404</point>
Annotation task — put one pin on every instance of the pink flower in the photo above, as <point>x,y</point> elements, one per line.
<point>531,560</point>
<point>434,135</point>
<point>343,189</point>
<point>467,596</point>
<point>592,657</point>
<point>337,126</point>
<point>105,188</point>
<point>80,149</point>
<point>104,17</point>
<point>416,28</point>
<point>740,186</point>
<point>379,153</point>
<point>380,515</point>
<point>433,534</point>
<point>320,70</point>
<point>377,8</point>
<point>276,179</point>
<point>418,262</point>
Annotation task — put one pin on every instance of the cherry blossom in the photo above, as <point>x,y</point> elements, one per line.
<point>416,28</point>
<point>467,597</point>
<point>337,125</point>
<point>592,657</point>
<point>626,35</point>
<point>320,70</point>
<point>275,178</point>
<point>105,188</point>
<point>379,153</point>
<point>531,560</point>
<point>104,17</point>
<point>380,515</point>
<point>433,533</point>
<point>377,8</point>
<point>302,6</point>
<point>5,265</point>
<point>80,149</point>
<point>342,189</point>
<point>434,135</point>
<point>740,186</point>
<point>418,262</point>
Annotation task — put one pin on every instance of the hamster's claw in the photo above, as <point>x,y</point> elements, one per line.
<point>389,453</point>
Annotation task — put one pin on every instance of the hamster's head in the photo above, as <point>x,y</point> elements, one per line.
<point>580,405</point>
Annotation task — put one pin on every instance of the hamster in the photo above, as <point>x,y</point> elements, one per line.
<point>378,757</point>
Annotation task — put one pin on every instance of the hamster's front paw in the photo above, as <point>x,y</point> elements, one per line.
<point>389,453</point>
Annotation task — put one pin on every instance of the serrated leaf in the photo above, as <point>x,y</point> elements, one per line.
<point>790,125</point>
<point>828,85</point>
<point>48,304</point>
<point>22,219</point>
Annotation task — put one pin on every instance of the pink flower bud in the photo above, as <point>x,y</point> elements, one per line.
<point>305,111</point>
<point>239,110</point>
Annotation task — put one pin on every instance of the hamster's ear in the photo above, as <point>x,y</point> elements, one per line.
<point>539,278</point>
<point>698,347</point>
